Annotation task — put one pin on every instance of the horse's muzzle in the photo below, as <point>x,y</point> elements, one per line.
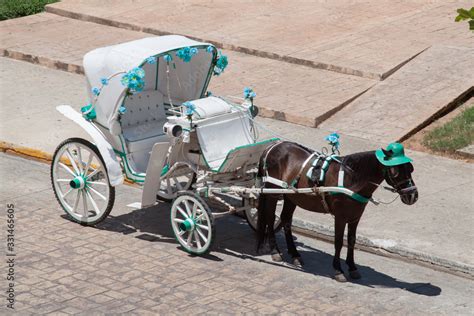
<point>409,195</point>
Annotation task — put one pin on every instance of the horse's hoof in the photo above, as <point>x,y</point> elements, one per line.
<point>340,277</point>
<point>277,257</point>
<point>297,261</point>
<point>355,275</point>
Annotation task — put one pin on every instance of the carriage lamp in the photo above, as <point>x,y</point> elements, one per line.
<point>172,130</point>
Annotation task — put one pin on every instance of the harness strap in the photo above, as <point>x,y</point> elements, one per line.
<point>303,166</point>
<point>275,181</point>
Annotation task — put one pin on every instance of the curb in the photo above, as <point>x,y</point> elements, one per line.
<point>313,230</point>
<point>371,245</point>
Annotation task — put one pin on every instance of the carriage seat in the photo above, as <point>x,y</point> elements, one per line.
<point>210,107</point>
<point>142,123</point>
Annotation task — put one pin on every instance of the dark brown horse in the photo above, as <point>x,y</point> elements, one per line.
<point>363,173</point>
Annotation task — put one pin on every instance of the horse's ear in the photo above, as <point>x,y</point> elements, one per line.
<point>387,153</point>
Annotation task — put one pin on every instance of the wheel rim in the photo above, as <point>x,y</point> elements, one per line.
<point>191,224</point>
<point>80,182</point>
<point>175,181</point>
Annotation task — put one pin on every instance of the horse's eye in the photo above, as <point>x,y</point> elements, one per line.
<point>393,171</point>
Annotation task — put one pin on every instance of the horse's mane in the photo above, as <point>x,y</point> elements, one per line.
<point>361,167</point>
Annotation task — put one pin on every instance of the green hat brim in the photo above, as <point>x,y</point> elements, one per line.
<point>395,161</point>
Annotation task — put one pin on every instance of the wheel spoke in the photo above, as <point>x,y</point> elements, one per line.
<point>67,169</point>
<point>188,241</point>
<point>182,212</point>
<point>196,237</point>
<point>92,173</point>
<point>202,226</point>
<point>178,184</point>
<point>97,183</point>
<point>178,220</point>
<point>66,194</point>
<point>88,164</point>
<point>188,209</point>
<point>76,203</point>
<point>63,180</point>
<point>84,202</point>
<point>94,205</point>
<point>99,194</point>
<point>79,155</point>
<point>201,235</point>
<point>195,206</point>
<point>73,162</point>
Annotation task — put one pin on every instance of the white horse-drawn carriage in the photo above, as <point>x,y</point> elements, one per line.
<point>151,119</point>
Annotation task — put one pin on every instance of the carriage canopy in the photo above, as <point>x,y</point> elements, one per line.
<point>175,67</point>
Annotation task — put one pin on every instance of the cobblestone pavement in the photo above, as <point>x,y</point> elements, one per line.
<point>130,263</point>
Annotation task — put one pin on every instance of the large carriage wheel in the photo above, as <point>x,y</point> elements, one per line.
<point>193,223</point>
<point>251,215</point>
<point>80,181</point>
<point>180,179</point>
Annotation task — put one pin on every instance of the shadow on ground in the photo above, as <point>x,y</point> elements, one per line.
<point>235,238</point>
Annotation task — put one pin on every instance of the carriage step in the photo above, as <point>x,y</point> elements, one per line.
<point>135,205</point>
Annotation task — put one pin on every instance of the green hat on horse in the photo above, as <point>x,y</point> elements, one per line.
<point>394,155</point>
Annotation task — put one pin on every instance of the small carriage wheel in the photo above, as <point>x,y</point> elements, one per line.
<point>192,223</point>
<point>252,217</point>
<point>180,179</point>
<point>80,181</point>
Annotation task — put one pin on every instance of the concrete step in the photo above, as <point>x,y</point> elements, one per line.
<point>363,39</point>
<point>288,92</point>
<point>431,84</point>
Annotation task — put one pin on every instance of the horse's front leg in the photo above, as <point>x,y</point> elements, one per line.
<point>351,240</point>
<point>339,227</point>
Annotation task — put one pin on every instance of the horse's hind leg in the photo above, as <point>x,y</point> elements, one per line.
<point>271,203</point>
<point>286,220</point>
<point>351,240</point>
<point>339,227</point>
<point>261,223</point>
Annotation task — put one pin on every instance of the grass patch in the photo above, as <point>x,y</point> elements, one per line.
<point>456,134</point>
<point>10,9</point>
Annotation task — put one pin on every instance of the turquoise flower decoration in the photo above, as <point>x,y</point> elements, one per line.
<point>104,81</point>
<point>167,58</point>
<point>122,109</point>
<point>186,53</point>
<point>134,79</point>
<point>210,49</point>
<point>190,108</point>
<point>249,93</point>
<point>151,60</point>
<point>333,140</point>
<point>221,64</point>
<point>95,91</point>
<point>91,115</point>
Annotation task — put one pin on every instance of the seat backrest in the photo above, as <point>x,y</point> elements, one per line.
<point>145,116</point>
<point>220,135</point>
<point>144,107</point>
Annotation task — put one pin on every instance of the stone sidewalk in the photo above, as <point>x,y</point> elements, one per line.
<point>435,82</point>
<point>430,231</point>
<point>131,264</point>
<point>370,38</point>
<point>289,92</point>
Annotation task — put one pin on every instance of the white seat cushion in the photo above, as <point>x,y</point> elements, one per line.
<point>210,107</point>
